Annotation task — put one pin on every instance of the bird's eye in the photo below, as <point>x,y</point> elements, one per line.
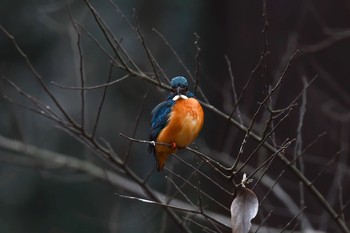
<point>179,90</point>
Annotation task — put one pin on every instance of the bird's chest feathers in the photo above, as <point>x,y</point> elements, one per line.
<point>185,121</point>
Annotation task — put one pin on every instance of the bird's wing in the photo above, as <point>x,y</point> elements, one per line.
<point>160,116</point>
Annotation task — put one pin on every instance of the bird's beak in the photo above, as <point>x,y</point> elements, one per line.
<point>178,89</point>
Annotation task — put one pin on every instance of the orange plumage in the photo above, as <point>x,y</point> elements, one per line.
<point>184,124</point>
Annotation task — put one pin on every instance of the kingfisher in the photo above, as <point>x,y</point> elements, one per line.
<point>175,122</point>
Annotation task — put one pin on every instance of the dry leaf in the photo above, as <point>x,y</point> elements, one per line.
<point>243,209</point>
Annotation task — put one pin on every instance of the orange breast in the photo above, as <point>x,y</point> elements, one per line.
<point>185,123</point>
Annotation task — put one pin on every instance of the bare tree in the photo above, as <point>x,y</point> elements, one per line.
<point>93,123</point>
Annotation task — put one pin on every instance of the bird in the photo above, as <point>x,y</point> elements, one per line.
<point>175,122</point>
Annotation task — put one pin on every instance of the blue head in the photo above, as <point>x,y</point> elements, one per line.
<point>179,85</point>
<point>179,81</point>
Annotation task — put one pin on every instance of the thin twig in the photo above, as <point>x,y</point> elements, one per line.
<point>81,69</point>
<point>263,221</point>
<point>281,150</point>
<point>271,188</point>
<point>107,84</point>
<point>203,227</point>
<point>150,56</point>
<point>203,174</point>
<point>290,222</point>
<point>82,81</point>
<point>42,109</point>
<point>181,63</point>
<point>245,87</point>
<point>137,121</point>
<point>187,181</point>
<point>38,76</point>
<point>212,162</point>
<point>244,142</point>
<point>326,166</point>
<point>196,72</point>
<point>182,193</point>
<point>299,145</point>
<point>99,110</point>
<point>107,34</point>
<point>145,141</point>
<point>120,12</point>
<point>198,188</point>
<point>233,87</point>
<point>262,143</point>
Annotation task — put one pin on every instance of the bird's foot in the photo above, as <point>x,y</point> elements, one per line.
<point>173,145</point>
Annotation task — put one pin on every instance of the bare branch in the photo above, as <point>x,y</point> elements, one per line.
<point>38,76</point>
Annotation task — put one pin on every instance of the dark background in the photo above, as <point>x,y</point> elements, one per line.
<point>36,199</point>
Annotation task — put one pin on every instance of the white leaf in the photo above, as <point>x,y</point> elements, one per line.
<point>243,209</point>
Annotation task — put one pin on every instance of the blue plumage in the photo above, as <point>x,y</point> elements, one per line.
<point>179,81</point>
<point>161,113</point>
<point>160,116</point>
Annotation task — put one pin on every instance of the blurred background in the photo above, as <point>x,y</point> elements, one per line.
<point>35,197</point>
